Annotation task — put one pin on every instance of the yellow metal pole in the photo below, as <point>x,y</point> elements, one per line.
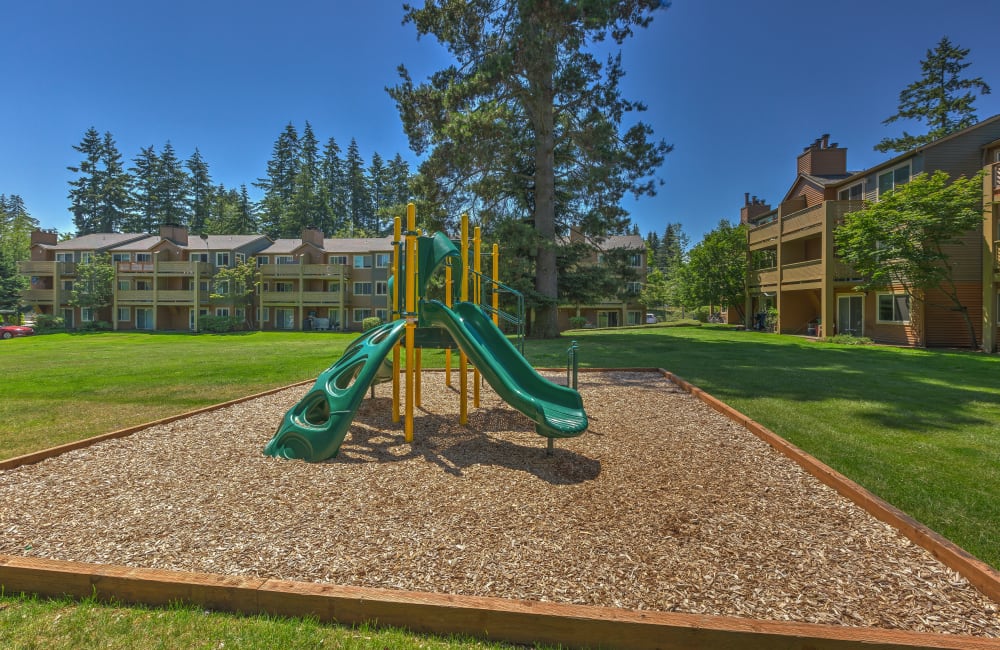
<point>496,283</point>
<point>447,301</point>
<point>477,241</point>
<point>394,313</point>
<point>416,392</point>
<point>463,361</point>
<point>411,319</point>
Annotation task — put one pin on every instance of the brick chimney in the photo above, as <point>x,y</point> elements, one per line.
<point>822,158</point>
<point>49,237</point>
<point>752,208</point>
<point>313,235</point>
<point>175,233</point>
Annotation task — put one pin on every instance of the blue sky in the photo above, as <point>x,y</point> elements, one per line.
<point>739,87</point>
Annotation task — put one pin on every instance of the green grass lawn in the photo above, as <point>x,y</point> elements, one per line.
<point>919,428</point>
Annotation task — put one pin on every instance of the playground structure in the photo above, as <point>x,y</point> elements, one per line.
<point>314,429</point>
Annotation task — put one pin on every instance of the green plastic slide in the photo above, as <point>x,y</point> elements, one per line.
<point>314,429</point>
<point>556,410</point>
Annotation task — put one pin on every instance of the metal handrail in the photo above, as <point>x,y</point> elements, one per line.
<point>515,320</point>
<point>572,365</point>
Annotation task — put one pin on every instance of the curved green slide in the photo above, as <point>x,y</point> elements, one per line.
<point>556,410</point>
<point>315,427</point>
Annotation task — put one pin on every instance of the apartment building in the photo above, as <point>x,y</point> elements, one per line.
<point>793,261</point>
<point>165,281</point>
<point>324,284</point>
<point>622,308</point>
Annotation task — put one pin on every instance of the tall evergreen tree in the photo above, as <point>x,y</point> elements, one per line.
<point>174,189</point>
<point>530,121</point>
<point>306,208</point>
<point>246,223</point>
<point>941,99</point>
<point>358,198</point>
<point>16,225</point>
<point>279,184</point>
<point>113,182</point>
<point>85,190</point>
<point>201,190</point>
<point>144,189</point>
<point>398,190</point>
<point>378,181</point>
<point>333,188</point>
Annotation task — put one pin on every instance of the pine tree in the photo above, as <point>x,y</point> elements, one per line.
<point>201,191</point>
<point>941,99</point>
<point>528,120</point>
<point>113,182</point>
<point>358,198</point>
<point>378,180</point>
<point>246,223</point>
<point>16,225</point>
<point>85,190</point>
<point>333,188</point>
<point>279,184</point>
<point>174,189</point>
<point>144,189</point>
<point>305,209</point>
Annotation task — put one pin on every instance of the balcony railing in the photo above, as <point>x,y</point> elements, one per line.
<point>764,233</point>
<point>302,270</point>
<point>803,220</point>
<point>39,296</point>
<point>163,296</point>
<point>165,268</point>
<point>304,298</point>
<point>809,271</point>
<point>843,272</point>
<point>46,268</point>
<point>763,277</point>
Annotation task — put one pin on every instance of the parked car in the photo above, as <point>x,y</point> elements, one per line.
<point>10,331</point>
<point>650,319</point>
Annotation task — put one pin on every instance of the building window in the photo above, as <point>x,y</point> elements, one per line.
<point>853,193</point>
<point>894,308</point>
<point>333,286</point>
<point>381,288</point>
<point>284,319</point>
<point>633,288</point>
<point>144,257</point>
<point>222,286</point>
<point>284,259</point>
<point>241,258</point>
<point>890,180</point>
<point>362,289</point>
<point>203,286</point>
<point>283,287</point>
<point>382,260</point>
<point>124,285</point>
<point>265,314</point>
<point>86,314</point>
<point>635,259</point>
<point>362,261</point>
<point>222,259</point>
<point>143,285</point>
<point>382,314</point>
<point>67,285</point>
<point>633,318</point>
<point>86,258</point>
<point>263,259</point>
<point>222,311</point>
<point>361,314</point>
<point>337,259</point>
<point>198,257</point>
<point>124,314</point>
<point>64,257</point>
<point>121,257</point>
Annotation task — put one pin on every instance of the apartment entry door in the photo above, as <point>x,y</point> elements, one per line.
<point>607,319</point>
<point>850,316</point>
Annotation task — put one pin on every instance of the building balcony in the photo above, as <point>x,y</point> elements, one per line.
<point>303,298</point>
<point>843,272</point>
<point>46,268</point>
<point>39,296</point>
<point>302,270</point>
<point>164,268</point>
<point>161,297</point>
<point>801,272</point>
<point>764,277</point>
<point>764,236</point>
<point>802,223</point>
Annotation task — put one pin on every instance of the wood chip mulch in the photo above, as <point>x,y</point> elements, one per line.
<point>662,505</point>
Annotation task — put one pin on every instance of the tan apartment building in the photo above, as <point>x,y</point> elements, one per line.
<point>324,284</point>
<point>991,248</point>
<point>793,261</point>
<point>622,308</point>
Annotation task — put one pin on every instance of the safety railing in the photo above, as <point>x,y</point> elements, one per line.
<point>514,321</point>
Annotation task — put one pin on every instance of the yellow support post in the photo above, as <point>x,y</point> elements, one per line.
<point>477,242</point>
<point>416,393</point>
<point>495,302</point>
<point>447,301</point>
<point>463,361</point>
<point>411,319</point>
<point>394,313</point>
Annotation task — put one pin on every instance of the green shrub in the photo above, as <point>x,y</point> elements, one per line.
<point>370,322</point>
<point>700,314</point>
<point>849,339</point>
<point>219,324</point>
<point>95,326</point>
<point>49,323</point>
<point>577,322</point>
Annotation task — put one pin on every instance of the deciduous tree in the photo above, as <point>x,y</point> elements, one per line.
<point>715,272</point>
<point>903,240</point>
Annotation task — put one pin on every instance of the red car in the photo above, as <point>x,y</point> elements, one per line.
<point>10,331</point>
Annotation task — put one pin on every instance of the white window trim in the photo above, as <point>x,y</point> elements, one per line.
<point>878,309</point>
<point>337,259</point>
<point>383,285</point>
<point>86,314</point>
<point>284,259</point>
<point>143,258</point>
<point>358,311</point>
<point>848,189</point>
<point>219,256</point>
<point>892,170</point>
<point>355,285</point>
<point>388,260</point>
<point>222,311</point>
<point>359,261</point>
<point>128,314</point>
